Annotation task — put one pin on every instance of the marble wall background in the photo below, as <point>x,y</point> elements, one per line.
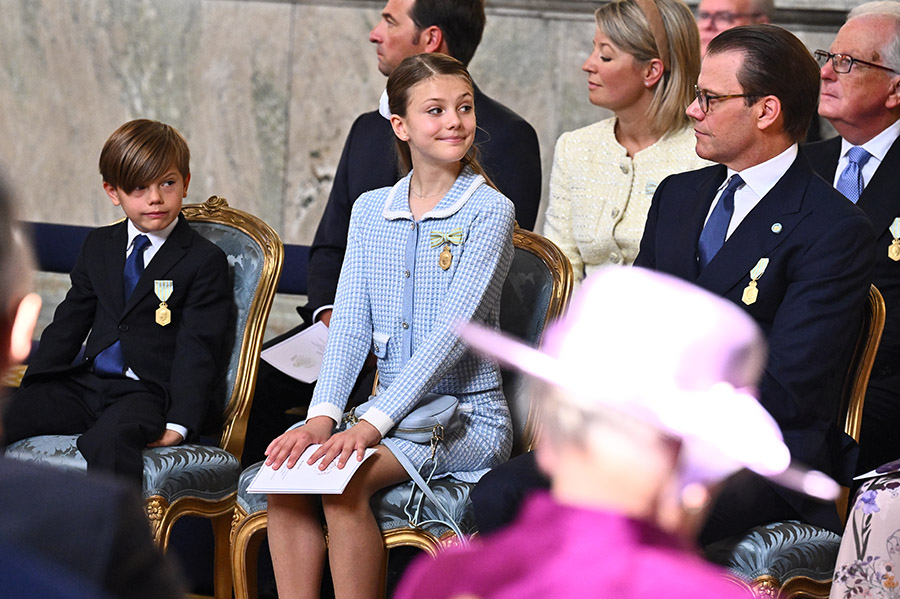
<point>264,91</point>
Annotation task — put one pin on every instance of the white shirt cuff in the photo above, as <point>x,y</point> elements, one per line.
<point>321,309</point>
<point>171,426</point>
<point>325,409</point>
<point>379,420</point>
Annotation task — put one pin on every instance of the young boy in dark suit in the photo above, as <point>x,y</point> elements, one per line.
<point>64,535</point>
<point>152,298</point>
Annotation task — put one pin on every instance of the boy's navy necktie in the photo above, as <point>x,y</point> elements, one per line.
<point>850,183</point>
<point>712,237</point>
<point>111,361</point>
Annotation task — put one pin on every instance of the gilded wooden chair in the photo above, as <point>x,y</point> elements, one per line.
<point>193,479</point>
<point>795,560</point>
<point>536,291</point>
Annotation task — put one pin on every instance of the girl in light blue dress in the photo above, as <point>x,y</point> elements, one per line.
<point>423,255</point>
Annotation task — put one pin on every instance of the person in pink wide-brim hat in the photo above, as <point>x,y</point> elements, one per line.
<point>634,448</point>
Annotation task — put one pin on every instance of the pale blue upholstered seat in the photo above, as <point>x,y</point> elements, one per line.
<point>192,478</point>
<point>536,291</point>
<point>780,557</point>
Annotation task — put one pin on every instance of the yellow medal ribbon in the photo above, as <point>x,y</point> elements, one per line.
<point>163,289</point>
<point>455,237</point>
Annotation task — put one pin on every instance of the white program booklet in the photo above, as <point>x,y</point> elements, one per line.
<point>300,356</point>
<point>305,478</point>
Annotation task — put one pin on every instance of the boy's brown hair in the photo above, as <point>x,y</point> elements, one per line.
<point>140,151</point>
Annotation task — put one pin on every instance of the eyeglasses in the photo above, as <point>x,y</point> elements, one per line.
<point>726,17</point>
<point>704,97</point>
<point>842,63</point>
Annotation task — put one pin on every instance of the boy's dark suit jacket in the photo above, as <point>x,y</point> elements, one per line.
<point>181,359</point>
<point>810,300</point>
<point>880,200</point>
<point>509,154</point>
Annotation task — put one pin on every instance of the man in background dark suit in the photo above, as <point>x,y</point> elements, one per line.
<point>862,101</point>
<point>763,230</point>
<point>64,535</point>
<point>509,154</point>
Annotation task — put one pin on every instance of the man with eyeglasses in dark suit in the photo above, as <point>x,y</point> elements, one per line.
<point>764,231</point>
<point>860,97</point>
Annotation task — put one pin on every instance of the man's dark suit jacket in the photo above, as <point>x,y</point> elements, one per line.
<point>179,360</point>
<point>510,156</point>
<point>880,200</point>
<point>68,526</point>
<point>810,300</point>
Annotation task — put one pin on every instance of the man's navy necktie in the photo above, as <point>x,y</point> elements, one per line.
<point>850,183</point>
<point>111,361</point>
<point>713,235</point>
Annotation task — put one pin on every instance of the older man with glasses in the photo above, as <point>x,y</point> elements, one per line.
<point>716,16</point>
<point>860,96</point>
<point>762,230</point>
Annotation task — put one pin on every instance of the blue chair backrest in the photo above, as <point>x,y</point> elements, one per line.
<point>245,265</point>
<point>535,292</point>
<point>526,297</point>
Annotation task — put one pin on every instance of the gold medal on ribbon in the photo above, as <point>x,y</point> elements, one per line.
<point>163,290</point>
<point>454,237</point>
<point>163,315</point>
<point>446,257</point>
<point>894,248</point>
<point>751,292</point>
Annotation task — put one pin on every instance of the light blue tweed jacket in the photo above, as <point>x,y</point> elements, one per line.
<point>395,299</point>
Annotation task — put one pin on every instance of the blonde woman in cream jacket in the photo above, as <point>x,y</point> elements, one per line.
<point>643,67</point>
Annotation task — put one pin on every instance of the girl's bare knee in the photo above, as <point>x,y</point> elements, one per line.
<point>343,503</point>
<point>288,502</point>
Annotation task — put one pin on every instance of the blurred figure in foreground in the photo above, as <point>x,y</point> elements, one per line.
<point>633,448</point>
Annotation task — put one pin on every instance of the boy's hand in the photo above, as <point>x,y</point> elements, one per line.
<point>168,438</point>
<point>288,447</point>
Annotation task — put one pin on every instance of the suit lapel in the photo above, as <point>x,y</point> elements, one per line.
<point>880,199</point>
<point>683,252</point>
<point>755,238</point>
<point>169,254</point>
<point>824,157</point>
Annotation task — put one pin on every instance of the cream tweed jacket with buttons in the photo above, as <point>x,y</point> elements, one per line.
<point>395,299</point>
<point>599,197</point>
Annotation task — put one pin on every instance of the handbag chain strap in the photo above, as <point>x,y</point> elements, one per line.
<point>436,436</point>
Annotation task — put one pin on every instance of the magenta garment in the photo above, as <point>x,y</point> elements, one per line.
<point>553,550</point>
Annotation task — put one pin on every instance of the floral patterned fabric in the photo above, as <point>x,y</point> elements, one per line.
<point>870,548</point>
